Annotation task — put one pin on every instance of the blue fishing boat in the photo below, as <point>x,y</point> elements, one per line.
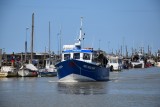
<point>79,64</point>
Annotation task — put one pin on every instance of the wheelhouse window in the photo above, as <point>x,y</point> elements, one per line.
<point>119,61</point>
<point>66,56</point>
<point>47,62</point>
<point>113,60</point>
<point>86,56</point>
<point>76,55</point>
<point>94,57</point>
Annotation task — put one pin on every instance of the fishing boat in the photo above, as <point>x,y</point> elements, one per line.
<point>158,64</point>
<point>138,61</point>
<point>49,70</point>
<point>115,63</point>
<point>8,71</point>
<point>28,70</point>
<point>158,59</point>
<point>79,64</point>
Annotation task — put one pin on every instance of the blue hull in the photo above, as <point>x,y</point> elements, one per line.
<point>81,71</point>
<point>48,74</point>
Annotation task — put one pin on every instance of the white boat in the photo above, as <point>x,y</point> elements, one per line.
<point>8,71</point>
<point>150,62</point>
<point>49,70</point>
<point>138,61</point>
<point>158,59</point>
<point>115,63</point>
<point>50,65</point>
<point>158,64</point>
<point>28,70</point>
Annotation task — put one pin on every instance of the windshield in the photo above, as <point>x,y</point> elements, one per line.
<point>66,56</point>
<point>76,55</point>
<point>86,56</point>
<point>113,61</point>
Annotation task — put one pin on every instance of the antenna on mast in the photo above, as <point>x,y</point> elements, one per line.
<point>80,34</point>
<point>78,44</point>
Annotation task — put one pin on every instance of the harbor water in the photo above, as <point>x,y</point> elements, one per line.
<point>129,88</point>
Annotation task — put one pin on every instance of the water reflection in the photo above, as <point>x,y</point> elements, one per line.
<point>83,88</point>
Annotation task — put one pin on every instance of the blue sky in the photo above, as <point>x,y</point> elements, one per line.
<point>108,24</point>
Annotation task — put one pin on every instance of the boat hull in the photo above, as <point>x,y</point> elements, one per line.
<point>137,65</point>
<point>115,67</point>
<point>8,74</point>
<point>27,73</point>
<point>158,64</point>
<point>8,71</point>
<point>75,70</point>
<point>47,74</point>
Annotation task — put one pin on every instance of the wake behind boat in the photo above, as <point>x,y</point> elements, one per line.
<point>82,64</point>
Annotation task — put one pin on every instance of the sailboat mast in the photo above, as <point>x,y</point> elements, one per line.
<point>32,37</point>
<point>49,40</point>
<point>26,46</point>
<point>60,38</point>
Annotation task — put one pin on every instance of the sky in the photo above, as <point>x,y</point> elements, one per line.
<point>108,24</point>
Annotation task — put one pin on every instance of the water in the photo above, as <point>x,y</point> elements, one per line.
<point>130,88</point>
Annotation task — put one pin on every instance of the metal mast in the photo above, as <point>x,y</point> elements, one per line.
<point>26,45</point>
<point>32,37</point>
<point>80,33</point>
<point>60,39</point>
<point>49,41</point>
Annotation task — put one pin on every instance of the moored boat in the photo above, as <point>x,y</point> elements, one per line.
<point>158,59</point>
<point>28,70</point>
<point>138,61</point>
<point>82,64</point>
<point>49,70</point>
<point>115,63</point>
<point>8,71</point>
<point>158,64</point>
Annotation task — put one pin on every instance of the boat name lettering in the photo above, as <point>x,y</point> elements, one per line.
<point>60,67</point>
<point>89,67</point>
